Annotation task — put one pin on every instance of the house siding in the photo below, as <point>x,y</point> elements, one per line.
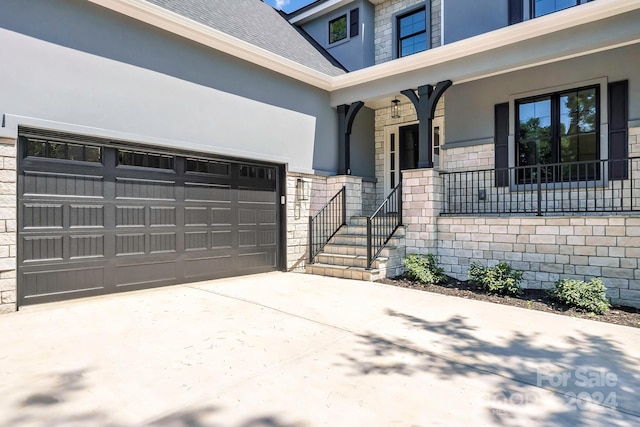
<point>470,106</point>
<point>384,15</point>
<point>80,64</point>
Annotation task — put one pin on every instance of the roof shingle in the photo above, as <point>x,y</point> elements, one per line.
<point>257,23</point>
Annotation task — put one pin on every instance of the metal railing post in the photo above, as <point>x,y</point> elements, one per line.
<point>400,204</point>
<point>344,205</point>
<point>369,252</point>
<point>310,239</point>
<point>539,182</point>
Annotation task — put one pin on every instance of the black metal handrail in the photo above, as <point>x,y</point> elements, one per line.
<point>326,223</point>
<point>383,223</point>
<point>598,186</point>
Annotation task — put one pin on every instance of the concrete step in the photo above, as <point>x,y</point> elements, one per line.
<point>362,220</point>
<point>361,230</point>
<point>345,272</point>
<point>354,260</point>
<point>346,249</point>
<point>361,240</point>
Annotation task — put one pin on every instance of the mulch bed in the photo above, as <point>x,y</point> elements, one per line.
<point>533,299</point>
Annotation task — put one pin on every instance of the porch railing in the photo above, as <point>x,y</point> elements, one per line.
<point>383,223</point>
<point>326,223</point>
<point>599,186</point>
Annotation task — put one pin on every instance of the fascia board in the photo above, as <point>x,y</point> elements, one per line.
<point>529,30</point>
<point>184,27</point>
<point>321,9</point>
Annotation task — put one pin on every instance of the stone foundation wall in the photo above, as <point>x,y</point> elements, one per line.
<point>8,228</point>
<point>547,249</point>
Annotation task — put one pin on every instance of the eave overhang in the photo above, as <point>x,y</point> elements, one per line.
<point>177,24</point>
<point>582,30</point>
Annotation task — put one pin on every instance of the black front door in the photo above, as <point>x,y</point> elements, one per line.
<point>409,147</point>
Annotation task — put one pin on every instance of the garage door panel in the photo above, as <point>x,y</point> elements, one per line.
<point>86,246</point>
<point>130,216</point>
<point>106,228</point>
<point>221,239</point>
<point>257,260</point>
<point>42,248</point>
<point>130,244</point>
<point>202,267</point>
<point>130,188</point>
<point>86,216</point>
<point>201,192</point>
<point>196,240</point>
<point>149,272</point>
<point>42,215</point>
<point>162,216</point>
<point>221,217</point>
<point>43,183</point>
<point>162,242</point>
<point>51,282</point>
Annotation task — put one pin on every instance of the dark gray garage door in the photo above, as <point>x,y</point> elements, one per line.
<point>97,217</point>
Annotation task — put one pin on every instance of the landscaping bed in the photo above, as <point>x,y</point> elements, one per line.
<point>534,299</point>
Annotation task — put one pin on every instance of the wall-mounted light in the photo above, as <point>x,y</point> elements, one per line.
<point>303,189</point>
<point>395,109</point>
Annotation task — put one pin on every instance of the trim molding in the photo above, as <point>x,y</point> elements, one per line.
<point>555,22</point>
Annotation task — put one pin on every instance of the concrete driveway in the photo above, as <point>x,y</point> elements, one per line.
<point>285,349</point>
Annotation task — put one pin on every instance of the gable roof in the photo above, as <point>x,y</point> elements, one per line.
<point>256,23</point>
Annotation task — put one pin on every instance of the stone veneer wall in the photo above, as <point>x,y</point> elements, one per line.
<point>8,227</point>
<point>369,198</point>
<point>383,119</point>
<point>546,248</point>
<point>298,212</point>
<point>383,26</point>
<point>467,158</point>
<point>321,189</point>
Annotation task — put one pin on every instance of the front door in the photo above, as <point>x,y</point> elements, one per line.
<point>401,150</point>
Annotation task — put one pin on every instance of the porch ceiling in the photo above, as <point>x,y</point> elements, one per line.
<point>591,28</point>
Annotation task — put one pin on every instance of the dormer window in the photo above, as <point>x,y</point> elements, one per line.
<point>412,32</point>
<point>338,29</point>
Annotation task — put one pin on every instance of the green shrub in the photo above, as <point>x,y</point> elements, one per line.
<point>423,268</point>
<point>590,296</point>
<point>501,279</point>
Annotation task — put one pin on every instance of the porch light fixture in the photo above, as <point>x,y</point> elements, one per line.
<point>395,110</point>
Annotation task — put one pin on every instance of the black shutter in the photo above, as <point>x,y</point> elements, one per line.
<point>515,11</point>
<point>501,148</point>
<point>618,129</point>
<point>354,22</point>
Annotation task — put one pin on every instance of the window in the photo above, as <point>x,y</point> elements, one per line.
<point>145,160</point>
<point>63,150</point>
<point>267,173</point>
<point>560,127</point>
<point>412,32</point>
<point>338,29</point>
<point>544,7</point>
<point>208,166</point>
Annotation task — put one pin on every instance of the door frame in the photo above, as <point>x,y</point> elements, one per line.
<point>394,130</point>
